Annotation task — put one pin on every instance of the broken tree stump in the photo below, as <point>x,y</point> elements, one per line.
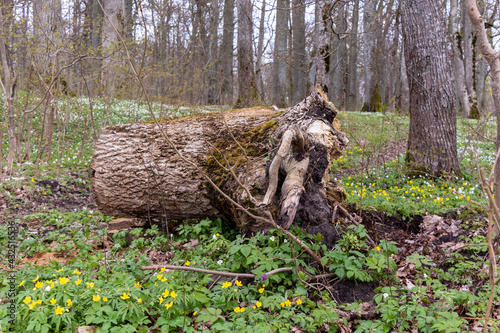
<point>261,158</point>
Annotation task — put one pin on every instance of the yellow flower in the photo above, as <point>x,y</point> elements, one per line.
<point>32,180</point>
<point>237,309</point>
<point>159,276</point>
<point>217,234</point>
<point>137,285</point>
<point>39,302</point>
<point>59,271</point>
<point>238,283</point>
<point>235,290</point>
<point>27,299</point>
<point>124,296</point>
<point>188,263</point>
<point>169,305</point>
<point>76,271</point>
<point>32,305</point>
<point>139,300</point>
<point>77,282</point>
<point>160,299</point>
<point>96,298</point>
<point>261,290</point>
<point>59,310</point>
<point>194,262</point>
<point>36,279</point>
<point>258,304</point>
<point>104,299</point>
<point>63,280</point>
<point>90,285</point>
<point>194,313</point>
<point>68,302</point>
<point>162,269</point>
<point>22,282</point>
<point>299,301</point>
<point>288,303</point>
<point>53,301</point>
<point>226,285</point>
<point>378,248</point>
<point>165,293</point>
<point>38,285</point>
<point>173,294</point>
<point>163,280</point>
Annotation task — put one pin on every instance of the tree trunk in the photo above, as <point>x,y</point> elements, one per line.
<point>280,54</point>
<point>338,54</point>
<point>432,141</point>
<point>352,70</point>
<point>260,50</point>
<point>369,41</point>
<point>299,50</point>
<point>470,60</point>
<point>247,87</point>
<point>280,163</point>
<point>458,65</point>
<point>226,53</point>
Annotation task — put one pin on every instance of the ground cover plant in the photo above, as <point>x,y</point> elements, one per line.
<point>74,270</point>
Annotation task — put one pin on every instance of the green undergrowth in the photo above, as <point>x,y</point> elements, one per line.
<point>379,181</point>
<point>106,287</point>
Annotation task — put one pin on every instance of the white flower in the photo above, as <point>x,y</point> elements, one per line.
<point>47,288</point>
<point>219,262</point>
<point>425,276</point>
<point>272,238</point>
<point>214,237</point>
<point>385,295</point>
<point>285,241</point>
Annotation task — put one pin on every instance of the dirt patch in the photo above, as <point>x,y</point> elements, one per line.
<point>347,291</point>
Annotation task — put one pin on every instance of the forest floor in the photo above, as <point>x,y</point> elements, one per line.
<point>421,276</point>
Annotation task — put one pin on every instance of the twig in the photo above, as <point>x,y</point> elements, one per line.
<point>212,272</point>
<point>334,214</point>
<point>349,216</point>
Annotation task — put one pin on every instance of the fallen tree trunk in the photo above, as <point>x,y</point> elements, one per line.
<point>261,158</point>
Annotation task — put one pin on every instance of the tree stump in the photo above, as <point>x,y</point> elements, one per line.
<point>262,159</point>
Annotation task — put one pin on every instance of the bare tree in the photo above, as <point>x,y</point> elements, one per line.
<point>299,50</point>
<point>226,53</point>
<point>458,65</point>
<point>352,70</point>
<point>432,141</point>
<point>247,88</point>
<point>279,55</point>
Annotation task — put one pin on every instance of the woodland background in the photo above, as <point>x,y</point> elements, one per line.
<point>235,53</point>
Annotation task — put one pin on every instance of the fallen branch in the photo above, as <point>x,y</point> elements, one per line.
<point>212,272</point>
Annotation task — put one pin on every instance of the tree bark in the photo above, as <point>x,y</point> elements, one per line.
<point>432,140</point>
<point>260,50</point>
<point>280,54</point>
<point>470,61</point>
<point>369,45</point>
<point>352,70</point>
<point>338,53</point>
<point>280,162</point>
<point>458,65</point>
<point>247,87</point>
<point>226,53</point>
<point>299,50</point>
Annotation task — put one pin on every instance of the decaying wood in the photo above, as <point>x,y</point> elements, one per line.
<point>261,158</point>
